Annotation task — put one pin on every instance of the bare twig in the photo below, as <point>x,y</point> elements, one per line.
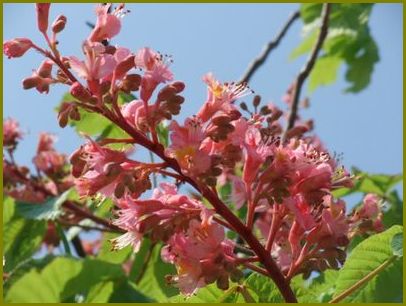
<point>307,68</point>
<point>260,60</point>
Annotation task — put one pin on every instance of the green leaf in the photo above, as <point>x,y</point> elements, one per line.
<point>361,66</point>
<point>397,245</point>
<point>317,290</point>
<point>50,210</point>
<point>163,134</point>
<point>69,280</point>
<point>324,72</point>
<point>100,293</point>
<point>153,279</point>
<point>367,256</point>
<point>23,268</point>
<point>305,46</point>
<point>117,256</point>
<point>127,292</point>
<point>8,209</point>
<point>45,286</point>
<point>348,41</point>
<point>21,239</point>
<point>211,294</point>
<point>264,289</point>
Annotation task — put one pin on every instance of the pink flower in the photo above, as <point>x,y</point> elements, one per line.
<point>135,114</point>
<point>368,217</point>
<point>108,172</point>
<point>156,71</point>
<point>11,133</point>
<point>47,158</point>
<point>255,154</point>
<point>107,25</point>
<point>97,64</point>
<point>160,217</point>
<point>42,16</point>
<point>220,97</point>
<point>202,256</point>
<point>16,47</point>
<point>187,146</point>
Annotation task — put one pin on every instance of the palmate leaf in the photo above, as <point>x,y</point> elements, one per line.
<point>373,255</point>
<point>154,272</point>
<point>21,239</point>
<point>348,42</point>
<point>67,279</point>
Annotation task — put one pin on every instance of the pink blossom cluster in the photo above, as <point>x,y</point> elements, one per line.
<point>284,180</point>
<point>19,183</point>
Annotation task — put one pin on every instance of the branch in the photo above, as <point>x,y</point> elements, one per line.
<point>260,60</point>
<point>304,73</point>
<point>79,211</point>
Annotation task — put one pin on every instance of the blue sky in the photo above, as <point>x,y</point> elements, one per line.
<point>223,38</point>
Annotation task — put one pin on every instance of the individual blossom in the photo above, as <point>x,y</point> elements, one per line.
<point>202,256</point>
<point>108,24</point>
<point>11,133</point>
<point>47,159</point>
<point>166,213</point>
<point>16,47</point>
<point>99,169</point>
<point>187,146</point>
<point>95,67</point>
<point>368,217</point>
<point>156,71</point>
<point>41,78</point>
<point>42,16</point>
<point>220,97</point>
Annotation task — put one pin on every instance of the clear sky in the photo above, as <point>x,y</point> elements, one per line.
<point>223,38</point>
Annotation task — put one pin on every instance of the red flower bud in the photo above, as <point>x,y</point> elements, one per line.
<point>16,47</point>
<point>42,16</point>
<point>59,24</point>
<point>79,92</point>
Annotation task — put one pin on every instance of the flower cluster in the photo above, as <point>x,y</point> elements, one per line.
<point>284,179</point>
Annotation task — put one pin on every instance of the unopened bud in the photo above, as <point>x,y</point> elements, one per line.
<point>222,282</point>
<point>44,71</point>
<point>243,106</point>
<point>42,16</point>
<point>16,47</point>
<point>256,101</point>
<point>79,92</point>
<point>31,82</point>
<point>131,82</point>
<point>124,66</point>
<point>59,24</point>
<point>119,191</point>
<point>179,86</point>
<point>166,93</point>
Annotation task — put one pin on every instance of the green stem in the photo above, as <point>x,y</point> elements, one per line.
<point>363,281</point>
<point>62,235</point>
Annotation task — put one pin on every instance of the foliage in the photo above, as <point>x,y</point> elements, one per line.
<point>349,42</point>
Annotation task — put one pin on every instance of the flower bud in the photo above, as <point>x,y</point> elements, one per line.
<point>44,71</point>
<point>179,86</point>
<point>42,16</point>
<point>131,82</point>
<point>79,92</point>
<point>31,82</point>
<point>16,47</point>
<point>59,24</point>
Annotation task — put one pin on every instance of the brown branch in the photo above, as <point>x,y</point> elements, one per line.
<point>79,211</point>
<point>307,68</point>
<point>144,266</point>
<point>260,60</point>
